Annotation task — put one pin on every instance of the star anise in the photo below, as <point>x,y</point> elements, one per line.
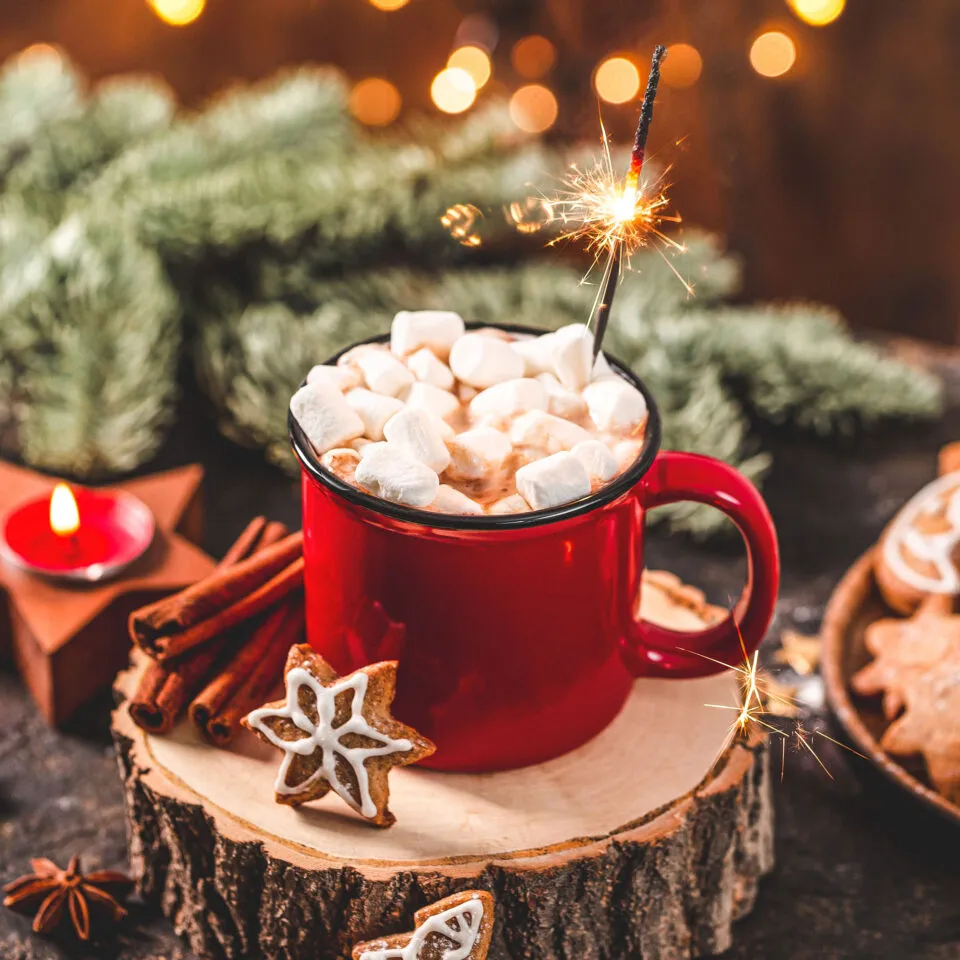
<point>52,892</point>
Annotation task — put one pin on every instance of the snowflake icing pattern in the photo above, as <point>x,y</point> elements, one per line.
<point>460,926</point>
<point>322,742</point>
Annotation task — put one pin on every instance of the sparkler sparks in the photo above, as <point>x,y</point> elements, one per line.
<point>761,697</point>
<point>604,211</point>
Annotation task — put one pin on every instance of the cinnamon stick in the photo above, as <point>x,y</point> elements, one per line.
<point>210,597</point>
<point>273,532</point>
<point>261,599</point>
<point>245,545</point>
<point>165,688</point>
<point>247,680</point>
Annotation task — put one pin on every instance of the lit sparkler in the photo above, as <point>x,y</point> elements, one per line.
<point>616,216</point>
<point>762,697</point>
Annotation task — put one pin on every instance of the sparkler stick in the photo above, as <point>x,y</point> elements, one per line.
<point>611,273</point>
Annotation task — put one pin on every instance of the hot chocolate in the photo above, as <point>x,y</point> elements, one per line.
<point>479,422</point>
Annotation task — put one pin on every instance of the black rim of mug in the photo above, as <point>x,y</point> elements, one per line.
<point>513,521</point>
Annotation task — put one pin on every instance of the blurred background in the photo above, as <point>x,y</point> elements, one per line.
<point>820,137</point>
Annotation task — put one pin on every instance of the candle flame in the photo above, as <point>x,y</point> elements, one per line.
<point>64,515</point>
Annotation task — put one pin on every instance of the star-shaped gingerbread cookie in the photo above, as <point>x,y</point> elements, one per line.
<point>337,734</point>
<point>930,725</point>
<point>455,928</point>
<point>906,649</point>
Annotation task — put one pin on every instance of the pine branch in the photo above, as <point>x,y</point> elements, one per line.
<point>96,337</point>
<point>35,90</point>
<point>70,149</point>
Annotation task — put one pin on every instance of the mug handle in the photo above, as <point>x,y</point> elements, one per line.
<point>654,651</point>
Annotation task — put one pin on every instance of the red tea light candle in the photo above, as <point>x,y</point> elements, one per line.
<point>81,534</point>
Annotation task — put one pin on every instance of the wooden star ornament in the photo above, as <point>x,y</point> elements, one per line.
<point>337,734</point>
<point>455,928</point>
<point>69,639</point>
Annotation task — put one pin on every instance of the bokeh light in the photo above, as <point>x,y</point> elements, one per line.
<point>818,13</point>
<point>178,13</point>
<point>772,54</point>
<point>533,108</point>
<point>617,80</point>
<point>533,57</point>
<point>453,90</point>
<point>389,4</point>
<point>682,66</point>
<point>375,101</point>
<point>474,60</point>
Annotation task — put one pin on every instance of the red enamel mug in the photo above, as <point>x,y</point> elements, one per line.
<point>518,637</point>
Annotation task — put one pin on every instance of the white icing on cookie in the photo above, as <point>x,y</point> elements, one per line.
<point>460,925</point>
<point>324,736</point>
<point>933,548</point>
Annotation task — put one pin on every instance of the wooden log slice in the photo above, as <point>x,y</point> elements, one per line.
<point>647,841</point>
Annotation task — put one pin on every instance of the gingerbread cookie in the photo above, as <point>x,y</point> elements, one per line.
<point>930,725</point>
<point>337,734</point>
<point>906,649</point>
<point>455,928</point>
<point>917,669</point>
<point>915,556</point>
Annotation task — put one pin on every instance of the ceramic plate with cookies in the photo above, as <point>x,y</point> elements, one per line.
<point>891,645</point>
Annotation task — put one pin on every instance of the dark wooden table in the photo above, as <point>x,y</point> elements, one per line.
<point>859,874</point>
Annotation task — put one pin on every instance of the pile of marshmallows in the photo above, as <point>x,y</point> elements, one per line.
<point>472,423</point>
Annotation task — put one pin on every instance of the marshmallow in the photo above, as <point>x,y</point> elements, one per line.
<point>597,459</point>
<point>350,357</point>
<point>436,329</point>
<point>557,479</point>
<point>451,500</point>
<point>324,416</point>
<point>415,432</point>
<point>602,369</point>
<point>495,332</point>
<point>446,431</point>
<point>360,443</point>
<point>561,402</point>
<point>386,471</point>
<point>615,406</point>
<point>572,331</point>
<point>572,356</point>
<point>537,354</point>
<point>374,410</point>
<point>476,452</point>
<point>342,462</point>
<point>343,378</point>
<point>626,451</point>
<point>483,361</point>
<point>466,393</point>
<point>383,372</point>
<point>425,366</point>
<point>544,430</point>
<point>512,504</point>
<point>425,396</point>
<point>509,398</point>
